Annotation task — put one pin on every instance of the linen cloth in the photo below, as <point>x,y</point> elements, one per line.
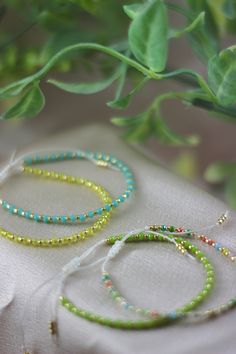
<point>151,275</point>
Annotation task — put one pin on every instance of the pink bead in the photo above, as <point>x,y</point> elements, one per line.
<point>108,283</point>
<point>153,313</point>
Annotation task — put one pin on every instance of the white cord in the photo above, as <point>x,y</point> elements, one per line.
<point>12,167</point>
<point>119,244</point>
<point>203,229</point>
<point>15,165</point>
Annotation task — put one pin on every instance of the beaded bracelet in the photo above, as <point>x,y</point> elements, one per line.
<point>71,239</point>
<point>99,159</point>
<point>181,231</point>
<point>158,319</point>
<point>183,246</point>
<point>166,233</point>
<point>171,231</point>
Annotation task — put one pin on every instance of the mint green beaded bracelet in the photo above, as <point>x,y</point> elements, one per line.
<point>157,319</point>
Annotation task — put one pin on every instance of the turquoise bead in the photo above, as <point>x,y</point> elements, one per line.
<point>28,161</point>
<point>91,214</point>
<point>79,155</point>
<point>72,218</point>
<point>45,218</point>
<point>27,214</point>
<point>69,154</point>
<point>217,246</point>
<point>82,217</point>
<point>115,203</point>
<point>173,315</point>
<point>11,209</point>
<point>55,219</point>
<point>130,188</point>
<point>36,217</point>
<point>99,211</point>
<point>63,219</point>
<point>108,207</point>
<point>20,211</point>
<point>53,157</point>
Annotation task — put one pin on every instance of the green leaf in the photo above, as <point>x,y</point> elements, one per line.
<point>13,89</point>
<point>167,136</point>
<point>120,85</point>
<point>128,121</point>
<point>29,105</point>
<point>230,191</point>
<point>133,10</point>
<point>121,103</point>
<point>124,102</point>
<point>148,36</point>
<point>92,6</point>
<point>219,171</point>
<point>141,131</point>
<point>84,88</point>
<point>204,40</point>
<point>229,9</point>
<point>139,126</point>
<point>16,87</point>
<point>198,21</point>
<point>186,164</point>
<point>222,75</point>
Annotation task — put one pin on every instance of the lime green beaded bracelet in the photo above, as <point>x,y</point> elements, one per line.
<point>158,319</point>
<point>71,239</point>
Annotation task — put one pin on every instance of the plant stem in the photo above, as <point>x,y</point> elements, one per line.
<point>132,63</point>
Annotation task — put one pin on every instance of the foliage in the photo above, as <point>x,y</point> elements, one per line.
<point>224,172</point>
<point>134,39</point>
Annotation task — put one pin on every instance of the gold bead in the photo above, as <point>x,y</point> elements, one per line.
<point>222,219</point>
<point>52,327</point>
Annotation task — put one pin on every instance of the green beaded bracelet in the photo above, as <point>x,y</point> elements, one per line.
<point>162,319</point>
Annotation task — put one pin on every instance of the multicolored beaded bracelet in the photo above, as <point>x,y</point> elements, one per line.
<point>99,159</point>
<point>181,231</point>
<point>157,319</point>
<point>183,246</point>
<point>66,240</point>
<point>171,231</point>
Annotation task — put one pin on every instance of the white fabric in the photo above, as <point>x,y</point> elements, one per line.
<point>150,274</point>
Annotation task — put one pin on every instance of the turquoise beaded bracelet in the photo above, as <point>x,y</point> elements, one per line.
<point>100,159</point>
